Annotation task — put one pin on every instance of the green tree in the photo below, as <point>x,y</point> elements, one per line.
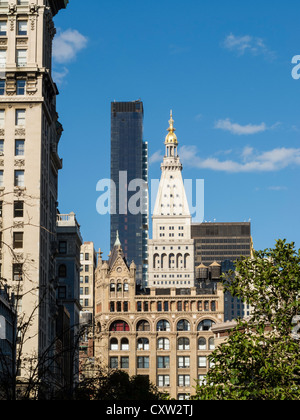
<point>116,385</point>
<point>261,358</point>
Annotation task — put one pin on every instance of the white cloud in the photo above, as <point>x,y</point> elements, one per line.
<point>67,45</point>
<point>277,188</point>
<point>238,129</point>
<point>250,160</point>
<point>247,43</point>
<point>156,157</point>
<point>59,76</point>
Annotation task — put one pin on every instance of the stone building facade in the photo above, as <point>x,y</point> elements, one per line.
<point>29,164</point>
<point>162,333</point>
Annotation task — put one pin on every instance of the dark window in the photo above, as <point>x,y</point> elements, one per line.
<point>62,247</point>
<point>17,272</point>
<point>19,148</point>
<point>18,208</point>
<point>62,292</point>
<point>21,84</point>
<point>62,271</point>
<point>18,240</point>
<point>2,87</point>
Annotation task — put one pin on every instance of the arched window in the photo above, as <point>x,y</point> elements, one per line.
<point>119,326</point>
<point>114,345</point>
<point>143,326</point>
<point>163,261</point>
<point>186,260</point>
<point>112,287</point>
<point>179,261</point>
<point>62,271</point>
<point>126,287</point>
<point>98,328</point>
<point>163,325</point>
<point>171,261</point>
<point>205,325</point>
<point>156,261</point>
<point>201,343</point>
<point>124,344</point>
<point>183,325</point>
<point>183,343</point>
<point>143,344</point>
<point>163,344</point>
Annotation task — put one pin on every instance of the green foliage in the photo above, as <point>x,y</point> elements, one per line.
<point>117,385</point>
<point>260,360</point>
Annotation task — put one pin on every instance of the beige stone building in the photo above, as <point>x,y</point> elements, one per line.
<point>87,277</point>
<point>171,249</point>
<point>162,333</point>
<point>29,162</point>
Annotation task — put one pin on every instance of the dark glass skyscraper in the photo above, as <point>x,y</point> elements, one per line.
<point>129,163</point>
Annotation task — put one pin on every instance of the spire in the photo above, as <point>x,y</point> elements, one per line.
<point>117,243</point>
<point>171,137</point>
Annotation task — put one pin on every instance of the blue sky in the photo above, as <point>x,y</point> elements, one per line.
<point>224,68</point>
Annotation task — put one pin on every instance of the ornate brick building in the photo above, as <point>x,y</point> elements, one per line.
<point>162,333</point>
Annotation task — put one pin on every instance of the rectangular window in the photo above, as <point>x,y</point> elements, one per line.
<point>19,148</point>
<point>3,28</point>
<point>2,58</point>
<point>183,361</point>
<point>18,240</point>
<point>163,380</point>
<point>143,362</point>
<point>19,209</point>
<point>163,362</point>
<point>17,272</point>
<point>19,178</point>
<point>20,117</point>
<point>1,179</point>
<point>62,247</point>
<point>2,115</point>
<point>202,362</point>
<point>124,362</point>
<point>2,87</point>
<point>1,147</point>
<point>113,363</point>
<point>21,85</point>
<point>22,27</point>
<point>21,58</point>
<point>183,380</point>
<point>62,292</point>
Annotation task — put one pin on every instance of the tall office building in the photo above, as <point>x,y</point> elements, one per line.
<point>221,241</point>
<point>29,164</point>
<point>129,163</point>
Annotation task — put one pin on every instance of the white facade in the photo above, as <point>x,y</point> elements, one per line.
<point>171,250</point>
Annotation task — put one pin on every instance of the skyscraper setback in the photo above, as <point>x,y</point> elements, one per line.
<point>129,162</point>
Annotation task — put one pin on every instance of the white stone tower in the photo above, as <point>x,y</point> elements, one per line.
<point>171,250</point>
